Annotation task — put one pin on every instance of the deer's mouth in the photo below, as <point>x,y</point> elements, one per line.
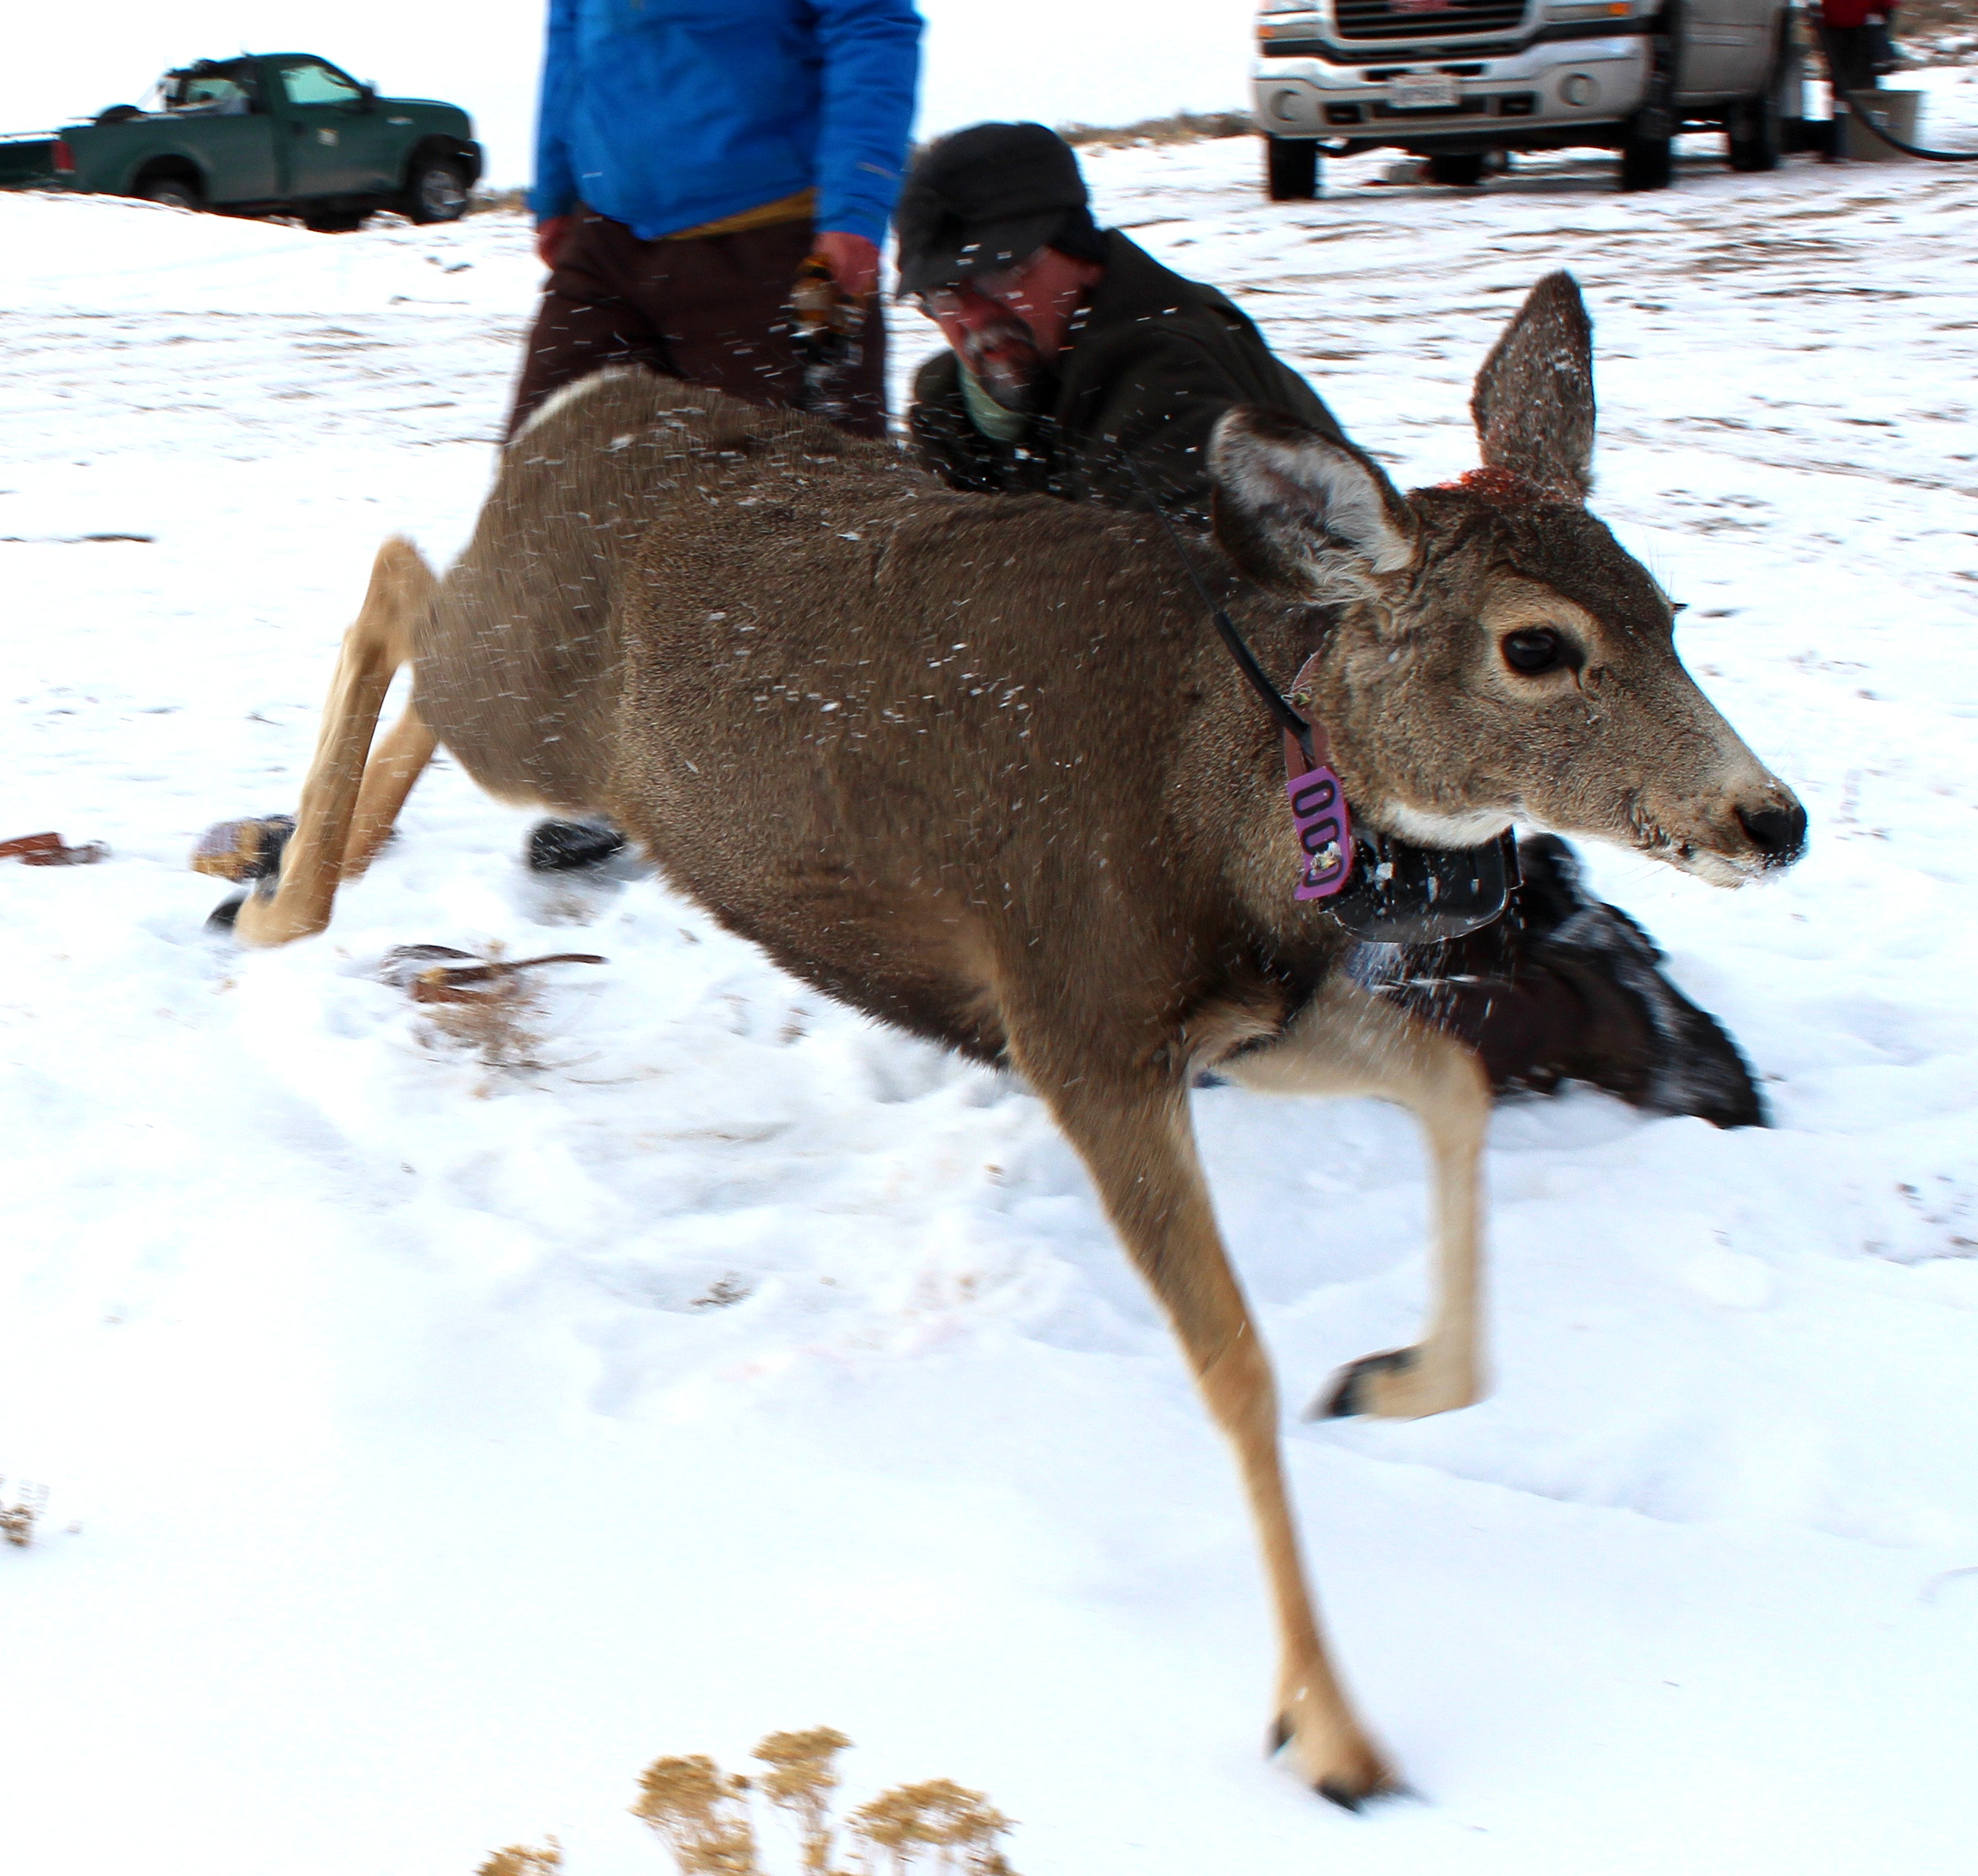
<point>1703,857</point>
<point>1713,868</point>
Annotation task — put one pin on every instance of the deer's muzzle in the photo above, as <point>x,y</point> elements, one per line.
<point>1777,829</point>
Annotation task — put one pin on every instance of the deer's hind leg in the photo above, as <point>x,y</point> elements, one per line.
<point>1137,1142</point>
<point>345,812</point>
<point>1347,1042</point>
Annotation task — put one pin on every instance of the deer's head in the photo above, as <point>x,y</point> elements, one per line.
<point>1498,655</point>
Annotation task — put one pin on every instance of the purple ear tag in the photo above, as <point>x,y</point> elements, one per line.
<point>1318,800</point>
<point>1325,831</point>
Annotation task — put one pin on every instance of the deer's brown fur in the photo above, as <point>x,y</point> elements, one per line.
<point>978,766</point>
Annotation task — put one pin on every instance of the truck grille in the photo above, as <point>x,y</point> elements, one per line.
<point>1423,19</point>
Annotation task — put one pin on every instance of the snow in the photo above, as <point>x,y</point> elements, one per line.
<point>445,1443</point>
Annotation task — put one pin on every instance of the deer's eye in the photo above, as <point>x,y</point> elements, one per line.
<point>1533,652</point>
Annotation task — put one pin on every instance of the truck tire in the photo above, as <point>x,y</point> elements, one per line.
<point>1291,169</point>
<point>1648,155</point>
<point>435,189</point>
<point>171,192</point>
<point>1647,159</point>
<point>1754,136</point>
<point>1457,172</point>
<point>1754,133</point>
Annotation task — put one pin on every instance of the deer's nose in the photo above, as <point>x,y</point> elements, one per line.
<point>1777,830</point>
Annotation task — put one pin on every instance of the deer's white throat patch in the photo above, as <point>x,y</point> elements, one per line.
<point>1426,829</point>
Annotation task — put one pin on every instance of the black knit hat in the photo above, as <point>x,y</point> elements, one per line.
<point>987,198</point>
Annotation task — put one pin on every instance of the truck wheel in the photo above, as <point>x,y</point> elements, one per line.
<point>173,191</point>
<point>1648,158</point>
<point>437,191</point>
<point>1754,131</point>
<point>1753,134</point>
<point>1291,169</point>
<point>1457,172</point>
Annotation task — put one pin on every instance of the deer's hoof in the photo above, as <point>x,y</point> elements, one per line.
<point>1335,1760</point>
<point>572,846</point>
<point>1396,1384</point>
<point>224,916</point>
<point>1357,1387</point>
<point>243,850</point>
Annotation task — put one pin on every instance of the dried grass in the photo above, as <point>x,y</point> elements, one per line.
<point>959,1827</point>
<point>498,202</point>
<point>701,1814</point>
<point>518,1860</point>
<point>499,1028</point>
<point>488,1003</point>
<point>18,1514</point>
<point>802,1775</point>
<point>1183,126</point>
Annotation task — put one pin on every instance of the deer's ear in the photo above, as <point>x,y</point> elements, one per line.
<point>1301,513</point>
<point>1533,401</point>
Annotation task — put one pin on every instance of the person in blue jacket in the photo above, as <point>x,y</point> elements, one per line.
<point>690,155</point>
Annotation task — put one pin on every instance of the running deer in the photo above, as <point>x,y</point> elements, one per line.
<point>978,766</point>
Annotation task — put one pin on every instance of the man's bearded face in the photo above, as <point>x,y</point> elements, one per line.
<point>1003,353</point>
<point>983,320</point>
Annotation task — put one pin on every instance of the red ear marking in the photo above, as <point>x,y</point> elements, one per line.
<point>1503,488</point>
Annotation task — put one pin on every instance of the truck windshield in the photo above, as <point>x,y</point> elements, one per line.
<point>307,82</point>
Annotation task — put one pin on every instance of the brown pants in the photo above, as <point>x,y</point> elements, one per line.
<point>712,310</point>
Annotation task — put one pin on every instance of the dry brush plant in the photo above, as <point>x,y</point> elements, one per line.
<point>518,1860</point>
<point>18,1514</point>
<point>1181,127</point>
<point>959,1826</point>
<point>702,1815</point>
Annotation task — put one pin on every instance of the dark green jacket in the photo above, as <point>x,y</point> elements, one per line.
<point>1158,359</point>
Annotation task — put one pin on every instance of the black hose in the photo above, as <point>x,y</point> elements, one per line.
<point>1861,110</point>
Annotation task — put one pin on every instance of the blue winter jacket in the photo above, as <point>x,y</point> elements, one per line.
<point>665,114</point>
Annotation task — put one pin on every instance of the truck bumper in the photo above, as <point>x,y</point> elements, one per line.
<point>1547,96</point>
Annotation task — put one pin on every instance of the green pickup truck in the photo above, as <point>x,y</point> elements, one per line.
<point>279,133</point>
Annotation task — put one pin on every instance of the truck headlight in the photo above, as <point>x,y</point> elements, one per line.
<point>1298,20</point>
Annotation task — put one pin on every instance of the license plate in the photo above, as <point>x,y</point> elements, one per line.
<point>1424,91</point>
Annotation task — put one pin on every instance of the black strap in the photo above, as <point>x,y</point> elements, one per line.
<point>1288,719</point>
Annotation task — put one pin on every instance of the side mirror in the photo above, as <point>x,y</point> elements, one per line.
<point>368,94</point>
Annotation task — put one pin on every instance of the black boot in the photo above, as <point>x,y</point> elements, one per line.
<point>1563,988</point>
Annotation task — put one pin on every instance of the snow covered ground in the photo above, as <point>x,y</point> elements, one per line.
<point>443,1443</point>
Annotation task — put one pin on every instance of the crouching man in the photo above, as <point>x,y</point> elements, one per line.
<point>1078,366</point>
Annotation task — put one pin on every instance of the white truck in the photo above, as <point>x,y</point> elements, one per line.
<point>1454,79</point>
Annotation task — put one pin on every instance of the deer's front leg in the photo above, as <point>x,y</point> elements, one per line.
<point>1137,1142</point>
<point>1346,1042</point>
<point>296,903</point>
